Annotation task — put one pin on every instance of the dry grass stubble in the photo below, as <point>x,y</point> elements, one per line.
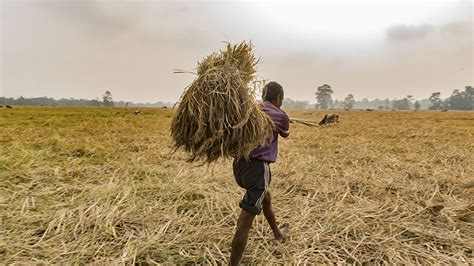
<point>83,185</point>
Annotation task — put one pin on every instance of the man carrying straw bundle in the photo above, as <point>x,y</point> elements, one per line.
<point>254,175</point>
<point>218,117</point>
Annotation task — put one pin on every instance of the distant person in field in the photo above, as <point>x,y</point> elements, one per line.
<point>254,175</point>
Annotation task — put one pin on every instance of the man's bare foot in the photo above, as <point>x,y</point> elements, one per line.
<point>284,228</point>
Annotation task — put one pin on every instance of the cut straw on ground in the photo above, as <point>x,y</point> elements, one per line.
<point>100,186</point>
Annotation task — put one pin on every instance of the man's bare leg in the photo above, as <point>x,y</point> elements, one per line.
<point>241,235</point>
<point>278,232</point>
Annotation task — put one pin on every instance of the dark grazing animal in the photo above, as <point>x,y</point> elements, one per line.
<point>9,106</point>
<point>369,110</point>
<point>136,112</point>
<point>329,118</point>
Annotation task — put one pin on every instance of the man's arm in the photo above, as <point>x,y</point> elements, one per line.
<point>284,126</point>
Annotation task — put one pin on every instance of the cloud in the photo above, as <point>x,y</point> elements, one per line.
<point>155,22</point>
<point>74,48</point>
<point>89,16</point>
<point>409,32</point>
<point>458,28</point>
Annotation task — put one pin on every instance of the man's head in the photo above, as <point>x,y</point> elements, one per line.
<point>273,92</point>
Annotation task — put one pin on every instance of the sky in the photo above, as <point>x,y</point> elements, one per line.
<point>371,49</point>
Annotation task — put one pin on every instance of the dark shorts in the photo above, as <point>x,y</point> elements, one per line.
<point>255,176</point>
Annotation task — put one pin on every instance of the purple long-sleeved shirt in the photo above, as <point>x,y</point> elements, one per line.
<point>281,120</point>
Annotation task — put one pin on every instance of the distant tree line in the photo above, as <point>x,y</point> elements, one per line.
<point>459,100</point>
<point>107,101</point>
<point>295,104</point>
<point>45,101</point>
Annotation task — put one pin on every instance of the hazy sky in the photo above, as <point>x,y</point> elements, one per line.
<point>373,49</point>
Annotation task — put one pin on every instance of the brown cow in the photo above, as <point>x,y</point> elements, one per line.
<point>329,118</point>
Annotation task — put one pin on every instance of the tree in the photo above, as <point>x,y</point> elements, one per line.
<point>386,103</point>
<point>366,103</point>
<point>349,101</point>
<point>469,95</point>
<point>294,104</point>
<point>410,99</point>
<point>323,96</point>
<point>403,104</point>
<point>95,102</point>
<point>435,100</point>
<point>417,105</point>
<point>107,99</point>
<point>462,100</point>
<point>21,100</point>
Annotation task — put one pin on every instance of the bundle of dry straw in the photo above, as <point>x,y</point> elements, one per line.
<point>218,115</point>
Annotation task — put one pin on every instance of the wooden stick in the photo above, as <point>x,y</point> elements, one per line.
<point>304,122</point>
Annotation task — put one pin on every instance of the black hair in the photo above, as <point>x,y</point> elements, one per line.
<point>272,91</point>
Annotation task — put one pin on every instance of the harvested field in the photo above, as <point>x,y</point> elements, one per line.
<point>83,185</point>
